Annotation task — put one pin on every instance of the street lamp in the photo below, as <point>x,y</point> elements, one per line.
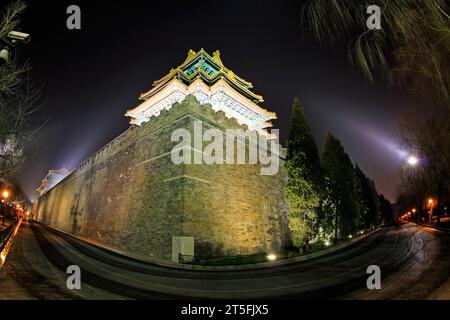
<point>413,161</point>
<point>430,205</point>
<point>5,195</point>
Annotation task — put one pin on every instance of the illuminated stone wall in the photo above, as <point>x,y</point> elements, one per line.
<point>130,195</point>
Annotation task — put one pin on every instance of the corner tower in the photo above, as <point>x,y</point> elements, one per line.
<point>205,77</point>
<point>132,197</point>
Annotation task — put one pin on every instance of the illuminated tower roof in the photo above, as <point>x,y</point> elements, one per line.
<point>205,77</point>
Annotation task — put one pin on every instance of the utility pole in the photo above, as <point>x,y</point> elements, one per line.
<point>3,213</point>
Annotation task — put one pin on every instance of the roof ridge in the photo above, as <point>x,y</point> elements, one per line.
<point>216,63</point>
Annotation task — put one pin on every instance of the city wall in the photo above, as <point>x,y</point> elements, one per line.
<point>130,195</point>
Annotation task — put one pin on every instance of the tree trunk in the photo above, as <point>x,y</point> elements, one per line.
<point>336,227</point>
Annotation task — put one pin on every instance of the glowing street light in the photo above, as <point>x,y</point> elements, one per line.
<point>5,195</point>
<point>431,207</point>
<point>413,161</point>
<point>271,257</point>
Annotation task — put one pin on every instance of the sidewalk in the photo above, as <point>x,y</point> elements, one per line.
<point>434,226</point>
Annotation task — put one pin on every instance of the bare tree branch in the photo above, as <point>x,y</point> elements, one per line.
<point>19,102</point>
<point>11,17</point>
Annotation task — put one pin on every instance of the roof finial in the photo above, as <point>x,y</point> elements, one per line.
<point>191,53</point>
<point>216,57</point>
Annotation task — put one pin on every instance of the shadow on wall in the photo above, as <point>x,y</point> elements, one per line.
<point>74,213</point>
<point>205,248</point>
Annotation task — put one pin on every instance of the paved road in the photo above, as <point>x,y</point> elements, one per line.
<point>414,261</point>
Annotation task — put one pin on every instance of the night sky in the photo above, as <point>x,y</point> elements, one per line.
<point>92,76</point>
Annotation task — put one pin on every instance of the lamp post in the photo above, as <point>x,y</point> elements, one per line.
<point>414,161</point>
<point>430,205</point>
<point>415,216</point>
<point>5,195</point>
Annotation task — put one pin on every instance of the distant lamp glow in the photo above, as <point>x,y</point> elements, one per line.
<point>271,257</point>
<point>327,243</point>
<point>414,210</point>
<point>412,161</point>
<point>5,194</point>
<point>430,201</point>
<point>350,236</point>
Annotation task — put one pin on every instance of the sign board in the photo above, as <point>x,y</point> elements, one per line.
<point>183,245</point>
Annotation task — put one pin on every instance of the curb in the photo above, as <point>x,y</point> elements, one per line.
<point>7,244</point>
<point>433,226</point>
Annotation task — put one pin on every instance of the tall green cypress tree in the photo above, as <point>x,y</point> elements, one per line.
<point>301,139</point>
<point>367,201</point>
<point>303,202</point>
<point>339,212</point>
<point>304,183</point>
<point>373,204</point>
<point>362,208</point>
<point>386,211</point>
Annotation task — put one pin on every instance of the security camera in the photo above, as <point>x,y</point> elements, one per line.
<point>4,52</point>
<point>4,56</point>
<point>19,36</point>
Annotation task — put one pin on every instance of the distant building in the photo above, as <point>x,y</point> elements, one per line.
<point>52,178</point>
